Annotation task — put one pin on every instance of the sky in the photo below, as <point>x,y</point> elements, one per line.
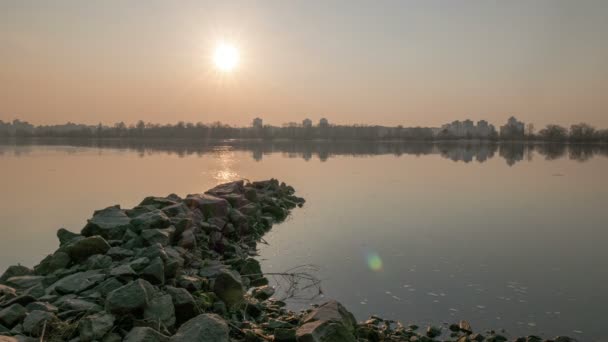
<point>411,63</point>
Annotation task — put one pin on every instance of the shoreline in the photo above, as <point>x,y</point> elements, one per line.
<point>174,269</point>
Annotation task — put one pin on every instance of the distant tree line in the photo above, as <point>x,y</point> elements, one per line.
<point>306,131</point>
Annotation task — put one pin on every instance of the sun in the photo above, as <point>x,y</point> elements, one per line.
<point>226,57</point>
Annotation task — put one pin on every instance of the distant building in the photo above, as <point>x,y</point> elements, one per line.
<point>467,129</point>
<point>257,123</point>
<point>307,123</point>
<point>323,123</point>
<point>512,129</point>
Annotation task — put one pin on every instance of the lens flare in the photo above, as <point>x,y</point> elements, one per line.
<point>374,262</point>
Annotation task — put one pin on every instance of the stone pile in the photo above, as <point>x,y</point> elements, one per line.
<point>177,270</point>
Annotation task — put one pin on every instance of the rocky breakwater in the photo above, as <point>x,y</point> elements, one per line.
<point>180,270</point>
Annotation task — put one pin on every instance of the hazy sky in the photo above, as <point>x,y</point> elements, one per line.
<point>402,62</point>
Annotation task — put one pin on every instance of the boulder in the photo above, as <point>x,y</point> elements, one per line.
<point>203,328</point>
<point>159,202</point>
<point>209,205</point>
<point>236,187</point>
<point>154,272</point>
<point>145,334</point>
<point>324,331</point>
<point>229,288</point>
<point>76,282</point>
<point>25,281</point>
<point>107,286</point>
<point>191,283</point>
<point>12,315</point>
<point>123,272</point>
<point>160,236</point>
<point>284,335</point>
<point>334,312</point>
<point>81,249</point>
<point>36,320</point>
<point>41,306</point>
<point>98,261</point>
<point>131,297</point>
<point>78,305</point>
<point>94,327</point>
<point>263,292</point>
<point>185,306</point>
<point>51,263</point>
<point>66,236</point>
<point>178,209</point>
<point>119,253</point>
<point>14,271</point>
<point>152,219</point>
<point>7,292</point>
<point>160,309</point>
<point>109,223</point>
<point>139,264</point>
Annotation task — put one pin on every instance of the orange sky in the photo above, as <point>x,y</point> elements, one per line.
<point>410,63</point>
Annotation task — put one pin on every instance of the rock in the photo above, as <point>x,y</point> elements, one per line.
<point>229,288</point>
<point>178,209</point>
<point>161,236</point>
<point>203,328</point>
<point>174,261</point>
<point>15,271</point>
<point>251,268</point>
<point>107,286</point>
<point>81,249</point>
<point>8,339</point>
<point>160,309</point>
<point>465,326</point>
<point>131,297</point>
<point>476,337</point>
<point>140,210</point>
<point>284,335</point>
<point>109,223</point>
<point>159,202</point>
<point>112,337</point>
<point>76,282</point>
<point>7,292</point>
<point>236,187</point>
<point>78,305</point>
<point>324,331</point>
<point>35,321</point>
<point>51,263</point>
<point>66,236</point>
<point>332,311</point>
<point>41,306</point>
<point>139,264</point>
<point>98,261</point>
<point>145,334</point>
<point>21,300</point>
<point>191,283</point>
<point>153,219</point>
<point>185,306</point>
<point>250,209</point>
<point>263,292</point>
<point>94,327</point>
<point>154,272</point>
<point>123,272</point>
<point>24,282</point>
<point>119,253</point>
<point>432,331</point>
<point>209,205</point>
<point>12,315</point>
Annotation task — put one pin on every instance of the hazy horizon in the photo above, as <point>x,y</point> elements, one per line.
<point>418,63</point>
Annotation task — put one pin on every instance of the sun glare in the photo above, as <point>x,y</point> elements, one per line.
<point>226,57</point>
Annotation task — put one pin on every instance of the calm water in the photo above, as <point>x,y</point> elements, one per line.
<point>504,236</point>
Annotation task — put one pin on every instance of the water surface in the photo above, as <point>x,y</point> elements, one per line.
<point>504,236</point>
